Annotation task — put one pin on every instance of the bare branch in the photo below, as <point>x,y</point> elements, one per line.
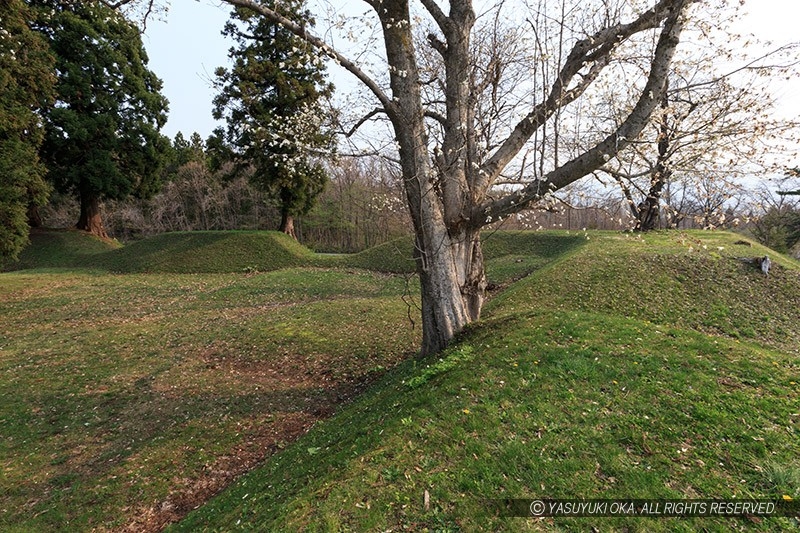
<point>438,15</point>
<point>364,119</point>
<point>597,156</point>
<point>436,116</point>
<point>752,65</point>
<point>592,50</point>
<point>120,3</point>
<point>437,44</point>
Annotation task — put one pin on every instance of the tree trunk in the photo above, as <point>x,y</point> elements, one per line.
<point>449,200</point>
<point>34,216</point>
<point>90,219</point>
<point>287,225</point>
<point>649,210</point>
<point>453,285</point>
<point>649,213</point>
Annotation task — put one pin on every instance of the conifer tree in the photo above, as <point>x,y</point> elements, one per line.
<point>102,136</point>
<point>273,99</point>
<point>26,85</point>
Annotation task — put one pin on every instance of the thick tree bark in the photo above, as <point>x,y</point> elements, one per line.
<point>34,216</point>
<point>448,252</point>
<point>650,209</point>
<point>90,219</point>
<point>287,225</point>
<point>447,191</point>
<point>453,286</point>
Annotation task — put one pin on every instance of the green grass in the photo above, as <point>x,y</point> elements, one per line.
<point>178,252</point>
<point>695,280</point>
<point>395,256</point>
<point>549,398</point>
<point>61,249</point>
<point>609,366</point>
<point>510,255</point>
<point>563,406</point>
<point>125,394</point>
<point>209,252</point>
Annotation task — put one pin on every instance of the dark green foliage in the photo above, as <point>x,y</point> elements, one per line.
<point>218,153</point>
<point>102,138</point>
<point>183,151</point>
<point>26,85</point>
<point>779,228</point>
<point>273,100</point>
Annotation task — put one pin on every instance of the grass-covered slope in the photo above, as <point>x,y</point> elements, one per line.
<point>61,249</point>
<point>396,256</point>
<point>509,254</point>
<point>126,400</point>
<point>210,252</point>
<point>703,281</point>
<point>621,369</point>
<point>179,252</point>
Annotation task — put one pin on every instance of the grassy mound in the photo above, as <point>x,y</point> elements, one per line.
<point>61,249</point>
<point>179,252</point>
<point>396,256</point>
<point>509,255</point>
<point>210,252</point>
<point>621,369</point>
<point>702,281</point>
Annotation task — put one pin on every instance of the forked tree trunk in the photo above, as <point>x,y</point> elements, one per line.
<point>91,219</point>
<point>649,211</point>
<point>287,225</point>
<point>453,285</point>
<point>449,199</point>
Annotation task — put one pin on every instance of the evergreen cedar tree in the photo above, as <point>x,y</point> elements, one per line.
<point>273,99</point>
<point>26,87</point>
<point>102,137</point>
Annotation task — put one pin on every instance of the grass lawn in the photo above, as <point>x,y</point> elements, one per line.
<point>605,366</point>
<point>127,400</point>
<point>623,368</point>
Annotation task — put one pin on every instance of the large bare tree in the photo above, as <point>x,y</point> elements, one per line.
<point>451,189</point>
<point>716,125</point>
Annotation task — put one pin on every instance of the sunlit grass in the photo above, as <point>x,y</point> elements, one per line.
<point>577,384</point>
<point>620,366</point>
<point>123,393</point>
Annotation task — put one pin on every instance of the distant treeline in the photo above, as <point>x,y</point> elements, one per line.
<point>363,206</point>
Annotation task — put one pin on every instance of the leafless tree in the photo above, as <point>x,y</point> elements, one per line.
<point>716,122</point>
<point>450,187</point>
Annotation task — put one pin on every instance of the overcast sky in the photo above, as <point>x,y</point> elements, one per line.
<point>186,48</point>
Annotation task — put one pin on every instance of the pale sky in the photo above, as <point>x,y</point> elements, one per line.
<point>185,50</point>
